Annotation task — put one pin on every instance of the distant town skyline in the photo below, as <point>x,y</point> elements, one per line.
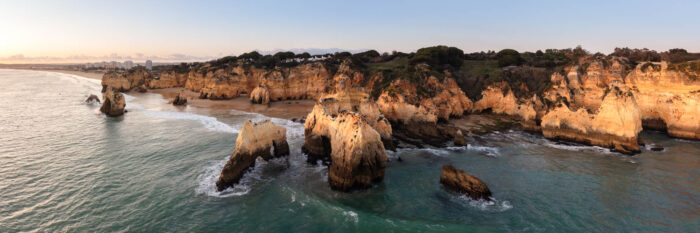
<point>89,31</point>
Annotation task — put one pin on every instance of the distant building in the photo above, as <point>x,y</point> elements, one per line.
<point>149,65</point>
<point>128,64</point>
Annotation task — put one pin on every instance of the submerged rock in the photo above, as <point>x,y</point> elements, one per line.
<point>347,129</point>
<point>464,183</point>
<point>180,98</point>
<point>114,103</point>
<point>92,99</point>
<point>261,139</point>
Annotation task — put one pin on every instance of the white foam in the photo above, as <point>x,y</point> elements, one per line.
<point>352,216</point>
<point>581,148</point>
<point>208,122</point>
<point>490,151</point>
<point>492,205</point>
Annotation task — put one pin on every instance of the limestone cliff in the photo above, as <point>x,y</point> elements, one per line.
<point>496,101</point>
<point>614,125</point>
<point>348,129</point>
<point>124,80</point>
<point>261,139</point>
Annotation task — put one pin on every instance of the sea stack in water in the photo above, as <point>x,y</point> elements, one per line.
<point>180,98</point>
<point>92,99</point>
<point>260,95</point>
<point>255,139</point>
<point>114,102</point>
<point>461,182</point>
<point>347,129</point>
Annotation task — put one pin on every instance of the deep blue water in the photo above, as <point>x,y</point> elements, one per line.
<point>66,168</point>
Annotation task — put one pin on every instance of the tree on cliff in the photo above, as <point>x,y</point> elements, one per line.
<point>439,56</point>
<point>254,56</point>
<point>509,57</point>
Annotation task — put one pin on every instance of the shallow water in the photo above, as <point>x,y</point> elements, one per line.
<point>65,167</point>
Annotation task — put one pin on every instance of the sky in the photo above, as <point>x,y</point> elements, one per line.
<point>70,30</point>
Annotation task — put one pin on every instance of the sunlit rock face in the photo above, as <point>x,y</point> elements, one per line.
<point>347,129</point>
<point>416,107</point>
<point>615,124</point>
<point>260,95</point>
<point>260,139</point>
<point>494,100</point>
<point>306,81</point>
<point>668,99</point>
<point>167,80</point>
<point>113,103</point>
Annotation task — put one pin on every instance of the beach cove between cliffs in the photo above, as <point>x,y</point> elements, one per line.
<point>156,167</point>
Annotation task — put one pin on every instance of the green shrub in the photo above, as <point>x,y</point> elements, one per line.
<point>509,57</point>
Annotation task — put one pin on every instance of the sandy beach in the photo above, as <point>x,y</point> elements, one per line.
<point>288,109</point>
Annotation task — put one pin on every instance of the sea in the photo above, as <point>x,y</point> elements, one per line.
<point>65,167</point>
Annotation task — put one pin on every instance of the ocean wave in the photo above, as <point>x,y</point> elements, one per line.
<point>490,151</point>
<point>208,122</point>
<point>581,148</point>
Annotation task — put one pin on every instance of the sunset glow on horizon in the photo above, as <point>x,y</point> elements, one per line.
<point>79,31</point>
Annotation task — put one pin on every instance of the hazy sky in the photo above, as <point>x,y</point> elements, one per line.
<point>104,29</point>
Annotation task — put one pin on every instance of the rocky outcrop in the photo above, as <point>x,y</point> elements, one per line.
<point>180,98</point>
<point>113,103</point>
<point>167,80</point>
<point>461,182</point>
<point>496,101</point>
<point>416,108</point>
<point>124,80</point>
<point>260,95</point>
<point>92,99</point>
<point>614,125</point>
<point>261,139</point>
<point>347,129</point>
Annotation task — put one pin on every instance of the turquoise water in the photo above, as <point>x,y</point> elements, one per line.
<point>66,168</point>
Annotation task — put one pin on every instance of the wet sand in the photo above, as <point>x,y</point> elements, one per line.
<point>287,109</point>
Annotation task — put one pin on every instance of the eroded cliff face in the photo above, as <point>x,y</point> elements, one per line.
<point>260,139</point>
<point>306,81</point>
<point>668,99</point>
<point>124,81</point>
<point>347,129</point>
<point>415,108</point>
<point>494,100</point>
<point>167,80</point>
<point>615,124</point>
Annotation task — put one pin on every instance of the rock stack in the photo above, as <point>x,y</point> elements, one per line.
<point>114,103</point>
<point>464,183</point>
<point>347,130</point>
<point>261,139</point>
